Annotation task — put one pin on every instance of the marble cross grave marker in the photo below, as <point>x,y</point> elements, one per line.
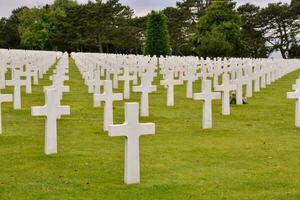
<point>126,77</point>
<point>207,96</point>
<point>239,87</point>
<point>17,83</point>
<point>190,77</point>
<point>296,95</point>
<point>169,83</point>
<point>145,88</point>
<point>132,129</point>
<point>225,88</point>
<point>52,110</point>
<point>108,97</point>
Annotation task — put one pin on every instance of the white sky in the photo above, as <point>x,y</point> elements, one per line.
<point>141,7</point>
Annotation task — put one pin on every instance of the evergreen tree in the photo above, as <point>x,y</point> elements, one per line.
<point>157,35</point>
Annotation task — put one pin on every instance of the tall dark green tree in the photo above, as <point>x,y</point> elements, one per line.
<point>2,33</point>
<point>218,31</point>
<point>255,43</point>
<point>157,35</point>
<point>280,26</point>
<point>177,37</point>
<point>295,4</point>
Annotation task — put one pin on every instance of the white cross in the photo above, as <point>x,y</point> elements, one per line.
<point>239,87</point>
<point>207,96</point>
<point>4,98</point>
<point>296,95</point>
<point>17,83</point>
<point>257,77</point>
<point>247,79</point>
<point>132,129</point>
<point>170,82</point>
<point>145,88</point>
<point>51,110</point>
<point>126,77</point>
<point>225,88</point>
<point>27,73</point>
<point>115,71</point>
<point>58,84</point>
<point>108,97</point>
<point>97,83</point>
<point>190,77</point>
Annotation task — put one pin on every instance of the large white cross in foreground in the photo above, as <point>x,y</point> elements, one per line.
<point>4,98</point>
<point>52,110</point>
<point>207,96</point>
<point>296,95</point>
<point>132,130</point>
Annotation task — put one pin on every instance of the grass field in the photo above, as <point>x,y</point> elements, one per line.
<point>252,154</point>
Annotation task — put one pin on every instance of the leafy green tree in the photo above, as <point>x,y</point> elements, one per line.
<point>192,10</point>
<point>255,43</point>
<point>33,29</point>
<point>182,20</point>
<point>218,31</point>
<point>157,35</point>
<point>9,34</point>
<point>280,26</point>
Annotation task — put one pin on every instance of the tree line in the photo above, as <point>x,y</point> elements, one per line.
<point>207,28</point>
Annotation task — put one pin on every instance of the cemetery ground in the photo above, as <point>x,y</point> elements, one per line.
<point>251,154</point>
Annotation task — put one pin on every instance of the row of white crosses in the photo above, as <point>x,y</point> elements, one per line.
<point>132,129</point>
<point>52,108</point>
<point>123,69</point>
<point>235,74</point>
<point>22,63</point>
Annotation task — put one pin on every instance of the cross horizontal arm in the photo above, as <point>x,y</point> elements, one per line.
<point>117,130</point>
<point>293,95</point>
<point>39,110</point>
<point>64,110</point>
<point>146,129</point>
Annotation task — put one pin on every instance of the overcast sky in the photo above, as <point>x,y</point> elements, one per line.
<point>141,7</point>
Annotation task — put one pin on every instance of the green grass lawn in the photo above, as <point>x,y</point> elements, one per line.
<point>252,154</point>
